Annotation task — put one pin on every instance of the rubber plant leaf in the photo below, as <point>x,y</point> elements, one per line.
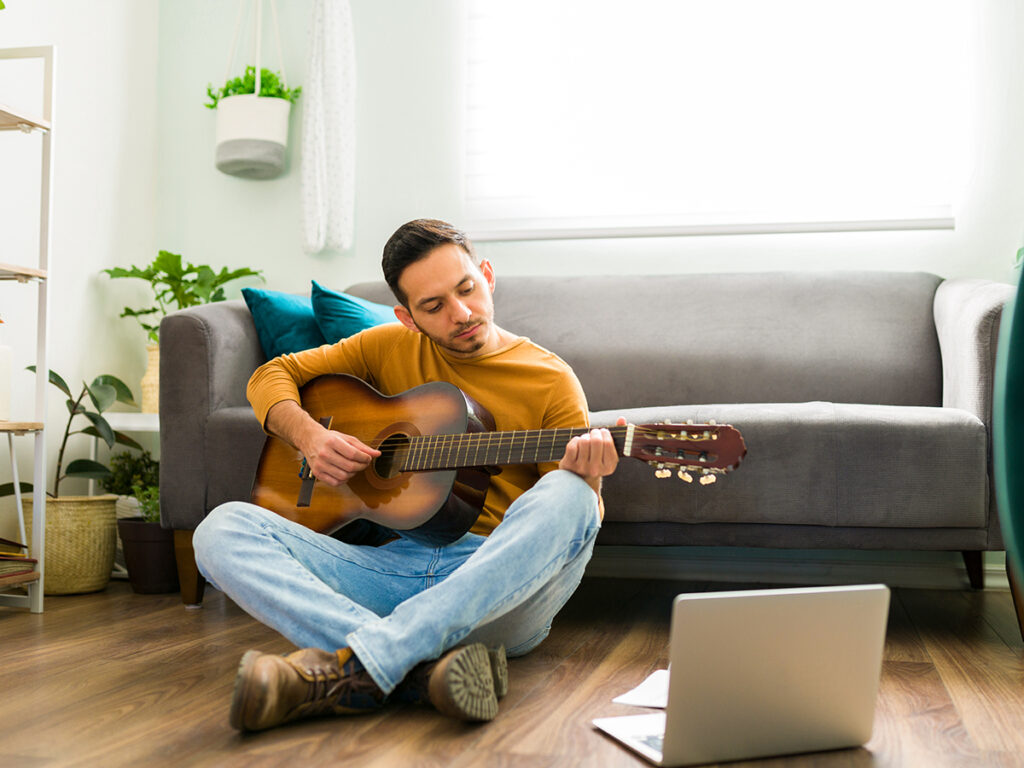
<point>87,468</point>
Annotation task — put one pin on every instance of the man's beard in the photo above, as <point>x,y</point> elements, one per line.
<point>462,347</point>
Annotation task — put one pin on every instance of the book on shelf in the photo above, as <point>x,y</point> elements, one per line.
<point>6,544</point>
<point>12,565</point>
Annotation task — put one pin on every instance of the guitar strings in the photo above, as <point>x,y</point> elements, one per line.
<point>419,452</point>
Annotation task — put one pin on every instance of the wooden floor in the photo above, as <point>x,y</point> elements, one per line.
<point>117,679</point>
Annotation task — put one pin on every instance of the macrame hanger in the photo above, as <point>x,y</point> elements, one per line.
<point>257,41</point>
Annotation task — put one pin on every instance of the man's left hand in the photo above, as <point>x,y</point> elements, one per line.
<point>592,456</point>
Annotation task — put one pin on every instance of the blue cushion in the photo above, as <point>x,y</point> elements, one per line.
<point>284,322</point>
<point>340,315</point>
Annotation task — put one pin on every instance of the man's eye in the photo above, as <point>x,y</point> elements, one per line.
<point>468,289</point>
<point>433,310</point>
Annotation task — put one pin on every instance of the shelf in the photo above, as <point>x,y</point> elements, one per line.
<point>132,421</point>
<point>20,427</point>
<point>17,121</point>
<point>18,578</point>
<point>21,274</point>
<point>12,119</point>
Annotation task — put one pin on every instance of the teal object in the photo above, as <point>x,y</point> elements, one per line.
<point>1008,440</point>
<point>340,315</point>
<point>284,322</point>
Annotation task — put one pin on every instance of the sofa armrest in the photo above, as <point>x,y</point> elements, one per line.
<point>207,355</point>
<point>967,313</point>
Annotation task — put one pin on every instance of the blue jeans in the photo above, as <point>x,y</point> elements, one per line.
<point>404,602</point>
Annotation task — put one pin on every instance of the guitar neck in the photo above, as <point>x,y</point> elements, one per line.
<point>480,449</point>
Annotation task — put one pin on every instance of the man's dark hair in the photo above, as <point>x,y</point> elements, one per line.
<point>414,240</point>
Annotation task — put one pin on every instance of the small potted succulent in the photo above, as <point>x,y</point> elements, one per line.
<point>252,123</point>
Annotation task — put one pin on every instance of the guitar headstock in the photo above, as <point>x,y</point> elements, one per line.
<point>706,450</point>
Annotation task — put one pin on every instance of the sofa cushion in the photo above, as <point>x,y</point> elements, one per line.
<point>284,321</point>
<point>819,463</point>
<point>339,315</point>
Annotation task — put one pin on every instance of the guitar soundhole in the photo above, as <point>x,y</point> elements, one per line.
<point>392,453</point>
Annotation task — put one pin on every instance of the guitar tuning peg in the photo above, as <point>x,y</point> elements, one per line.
<point>662,473</point>
<point>708,479</point>
<point>685,476</point>
<point>689,421</point>
<point>712,422</point>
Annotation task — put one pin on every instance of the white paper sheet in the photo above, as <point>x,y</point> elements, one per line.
<point>652,692</point>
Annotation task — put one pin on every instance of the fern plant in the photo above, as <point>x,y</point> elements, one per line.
<point>270,86</point>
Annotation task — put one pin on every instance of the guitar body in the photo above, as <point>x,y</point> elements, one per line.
<point>436,507</point>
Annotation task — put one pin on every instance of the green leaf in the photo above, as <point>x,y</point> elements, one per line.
<point>121,391</point>
<point>119,437</point>
<point>56,380</point>
<point>86,468</point>
<point>137,313</point>
<point>7,489</point>
<point>102,395</point>
<point>73,408</point>
<point>102,428</point>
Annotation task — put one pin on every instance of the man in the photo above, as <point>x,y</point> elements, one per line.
<point>404,620</point>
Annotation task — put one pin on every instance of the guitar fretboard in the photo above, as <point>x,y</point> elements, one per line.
<point>478,449</point>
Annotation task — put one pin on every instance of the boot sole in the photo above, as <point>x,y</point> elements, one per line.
<point>462,685</point>
<point>241,691</point>
<point>499,670</point>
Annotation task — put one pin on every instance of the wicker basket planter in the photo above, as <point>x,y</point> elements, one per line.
<point>151,380</point>
<point>81,537</point>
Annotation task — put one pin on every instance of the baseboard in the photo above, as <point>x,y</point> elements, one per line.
<point>925,570</point>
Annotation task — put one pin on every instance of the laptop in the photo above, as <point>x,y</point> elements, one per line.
<point>758,673</point>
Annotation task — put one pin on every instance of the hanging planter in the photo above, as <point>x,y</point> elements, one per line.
<point>252,113</point>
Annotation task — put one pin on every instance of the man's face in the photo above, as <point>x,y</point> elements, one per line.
<point>449,301</point>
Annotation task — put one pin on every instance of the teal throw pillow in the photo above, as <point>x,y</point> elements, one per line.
<point>340,315</point>
<point>284,321</point>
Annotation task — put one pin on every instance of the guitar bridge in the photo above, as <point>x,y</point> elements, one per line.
<point>306,489</point>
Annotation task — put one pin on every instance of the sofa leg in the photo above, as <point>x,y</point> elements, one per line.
<point>192,582</point>
<point>975,567</point>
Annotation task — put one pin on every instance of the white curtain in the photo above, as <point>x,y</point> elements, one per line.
<point>329,130</point>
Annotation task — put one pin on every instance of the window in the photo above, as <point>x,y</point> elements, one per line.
<point>631,117</point>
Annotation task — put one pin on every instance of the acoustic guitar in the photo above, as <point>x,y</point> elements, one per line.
<point>438,451</point>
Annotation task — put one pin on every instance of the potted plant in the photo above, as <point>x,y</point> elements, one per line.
<point>175,286</point>
<point>80,530</point>
<point>127,470</point>
<point>252,123</point>
<point>148,547</point>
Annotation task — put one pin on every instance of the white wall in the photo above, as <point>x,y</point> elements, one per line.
<point>407,100</point>
<point>104,201</point>
<point>134,169</point>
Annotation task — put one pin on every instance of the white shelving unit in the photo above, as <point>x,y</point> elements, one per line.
<point>28,588</point>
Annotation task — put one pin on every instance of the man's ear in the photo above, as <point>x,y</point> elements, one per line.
<point>488,272</point>
<point>405,318</point>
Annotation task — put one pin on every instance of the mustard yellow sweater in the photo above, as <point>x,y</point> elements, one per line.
<point>523,385</point>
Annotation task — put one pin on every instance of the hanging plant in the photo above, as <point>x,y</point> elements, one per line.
<point>271,86</point>
<point>253,111</point>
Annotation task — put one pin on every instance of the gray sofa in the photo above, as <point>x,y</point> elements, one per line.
<point>864,399</point>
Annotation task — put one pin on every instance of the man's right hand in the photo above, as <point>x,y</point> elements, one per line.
<point>333,457</point>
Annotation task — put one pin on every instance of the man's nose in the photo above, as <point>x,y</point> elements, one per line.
<point>460,311</point>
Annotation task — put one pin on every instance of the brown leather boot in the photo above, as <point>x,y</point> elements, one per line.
<point>465,683</point>
<point>270,689</point>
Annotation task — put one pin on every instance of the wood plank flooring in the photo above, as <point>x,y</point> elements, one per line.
<point>118,679</point>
